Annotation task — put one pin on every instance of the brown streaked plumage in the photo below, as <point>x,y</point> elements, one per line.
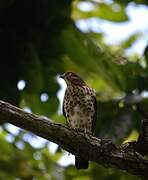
<point>79,109</point>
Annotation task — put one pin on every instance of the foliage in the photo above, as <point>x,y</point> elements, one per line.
<point>39,40</point>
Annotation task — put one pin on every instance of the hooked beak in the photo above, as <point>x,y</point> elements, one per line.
<point>61,76</point>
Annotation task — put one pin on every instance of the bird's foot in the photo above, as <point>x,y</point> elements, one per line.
<point>73,129</point>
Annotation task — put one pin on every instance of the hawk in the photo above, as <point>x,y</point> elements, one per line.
<point>79,109</point>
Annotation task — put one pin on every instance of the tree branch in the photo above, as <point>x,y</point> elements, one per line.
<point>101,151</point>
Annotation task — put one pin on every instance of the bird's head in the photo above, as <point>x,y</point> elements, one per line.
<point>72,79</point>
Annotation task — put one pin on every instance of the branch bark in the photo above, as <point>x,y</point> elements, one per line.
<point>101,151</point>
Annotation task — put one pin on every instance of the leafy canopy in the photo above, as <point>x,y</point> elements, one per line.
<point>39,40</point>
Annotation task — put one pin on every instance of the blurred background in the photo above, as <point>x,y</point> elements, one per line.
<point>105,42</point>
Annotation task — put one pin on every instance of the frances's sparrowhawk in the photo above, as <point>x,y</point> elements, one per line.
<point>79,109</point>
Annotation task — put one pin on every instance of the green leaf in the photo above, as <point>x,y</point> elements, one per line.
<point>114,12</point>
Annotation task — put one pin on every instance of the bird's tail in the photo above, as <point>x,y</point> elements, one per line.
<point>81,163</point>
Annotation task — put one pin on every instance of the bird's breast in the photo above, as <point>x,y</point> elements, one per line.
<point>79,112</point>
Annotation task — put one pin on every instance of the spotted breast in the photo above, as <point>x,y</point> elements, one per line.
<point>79,108</point>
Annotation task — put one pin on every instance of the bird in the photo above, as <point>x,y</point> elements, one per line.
<point>79,109</point>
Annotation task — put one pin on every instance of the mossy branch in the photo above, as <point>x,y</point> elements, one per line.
<point>125,157</point>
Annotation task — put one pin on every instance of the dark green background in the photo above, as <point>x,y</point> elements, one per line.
<point>38,41</point>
